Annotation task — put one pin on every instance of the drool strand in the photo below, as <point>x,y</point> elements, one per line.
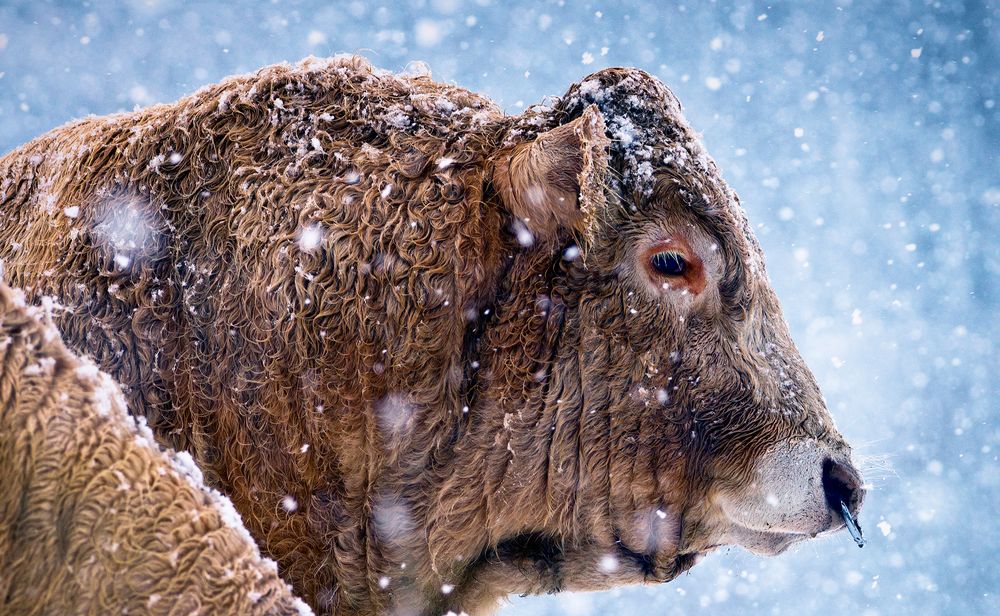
<point>852,525</point>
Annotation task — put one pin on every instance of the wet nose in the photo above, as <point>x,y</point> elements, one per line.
<point>842,484</point>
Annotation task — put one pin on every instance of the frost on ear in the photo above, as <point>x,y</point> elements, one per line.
<point>557,180</point>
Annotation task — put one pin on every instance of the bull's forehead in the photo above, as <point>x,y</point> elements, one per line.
<point>655,151</point>
<point>646,125</point>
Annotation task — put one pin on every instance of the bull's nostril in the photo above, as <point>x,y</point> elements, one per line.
<point>841,484</point>
<point>842,489</point>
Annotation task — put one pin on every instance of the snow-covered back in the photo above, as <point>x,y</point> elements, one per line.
<point>863,139</point>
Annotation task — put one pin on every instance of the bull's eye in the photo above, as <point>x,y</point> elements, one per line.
<point>669,263</point>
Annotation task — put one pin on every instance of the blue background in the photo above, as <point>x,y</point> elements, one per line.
<point>863,138</point>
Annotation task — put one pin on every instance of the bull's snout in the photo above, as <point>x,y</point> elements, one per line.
<point>841,484</point>
<point>795,492</point>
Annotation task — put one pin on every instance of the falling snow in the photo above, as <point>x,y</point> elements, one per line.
<point>523,234</point>
<point>310,238</point>
<point>608,564</point>
<point>861,138</point>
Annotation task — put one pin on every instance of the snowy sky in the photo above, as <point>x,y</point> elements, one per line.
<point>863,139</point>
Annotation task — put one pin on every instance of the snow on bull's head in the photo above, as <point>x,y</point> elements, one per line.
<point>696,405</point>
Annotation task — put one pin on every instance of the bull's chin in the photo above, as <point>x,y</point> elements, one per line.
<point>764,543</point>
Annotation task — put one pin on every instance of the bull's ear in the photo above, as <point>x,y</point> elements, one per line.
<point>557,180</point>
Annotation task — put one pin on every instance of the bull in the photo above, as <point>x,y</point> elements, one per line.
<point>436,354</point>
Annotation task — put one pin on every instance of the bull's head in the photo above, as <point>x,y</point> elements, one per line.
<point>699,424</point>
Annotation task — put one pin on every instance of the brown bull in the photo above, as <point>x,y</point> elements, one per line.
<point>433,353</point>
<point>94,518</point>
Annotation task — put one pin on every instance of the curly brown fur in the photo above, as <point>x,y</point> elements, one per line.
<point>348,287</point>
<point>94,519</point>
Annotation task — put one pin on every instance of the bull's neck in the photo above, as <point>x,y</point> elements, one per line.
<point>505,475</point>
